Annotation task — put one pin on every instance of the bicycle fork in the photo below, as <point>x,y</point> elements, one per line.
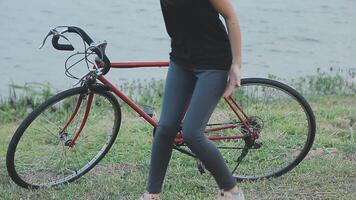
<point>63,134</point>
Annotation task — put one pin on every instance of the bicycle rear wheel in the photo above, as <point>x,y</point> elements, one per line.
<point>283,119</point>
<point>42,151</point>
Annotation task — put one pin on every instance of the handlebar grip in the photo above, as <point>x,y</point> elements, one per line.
<point>64,47</point>
<point>83,34</point>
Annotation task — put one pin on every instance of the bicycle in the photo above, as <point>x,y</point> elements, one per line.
<point>264,129</point>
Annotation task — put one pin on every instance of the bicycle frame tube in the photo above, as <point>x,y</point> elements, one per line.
<point>138,64</point>
<point>130,102</point>
<point>237,109</point>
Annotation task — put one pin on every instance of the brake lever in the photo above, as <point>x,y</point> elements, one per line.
<point>55,32</point>
<point>51,32</point>
<point>101,46</point>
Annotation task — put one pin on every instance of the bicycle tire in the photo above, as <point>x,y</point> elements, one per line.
<point>279,109</point>
<point>56,107</point>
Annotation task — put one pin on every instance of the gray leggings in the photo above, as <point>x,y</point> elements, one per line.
<point>204,88</point>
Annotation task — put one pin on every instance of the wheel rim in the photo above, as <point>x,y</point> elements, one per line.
<point>286,130</point>
<point>43,158</point>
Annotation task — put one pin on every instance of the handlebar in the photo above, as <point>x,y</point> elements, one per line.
<point>99,50</point>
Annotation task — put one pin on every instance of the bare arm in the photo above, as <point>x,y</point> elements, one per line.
<point>225,8</point>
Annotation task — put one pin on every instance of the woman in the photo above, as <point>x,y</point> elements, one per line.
<point>205,64</point>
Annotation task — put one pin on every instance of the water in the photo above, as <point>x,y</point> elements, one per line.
<point>288,38</point>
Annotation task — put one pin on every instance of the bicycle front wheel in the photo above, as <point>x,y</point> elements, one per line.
<point>282,118</point>
<point>48,147</point>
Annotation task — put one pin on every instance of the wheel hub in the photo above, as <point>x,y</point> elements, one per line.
<point>66,139</point>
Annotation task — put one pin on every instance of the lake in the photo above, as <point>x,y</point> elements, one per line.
<point>287,38</point>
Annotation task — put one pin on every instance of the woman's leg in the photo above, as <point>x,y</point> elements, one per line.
<point>208,90</point>
<point>179,86</point>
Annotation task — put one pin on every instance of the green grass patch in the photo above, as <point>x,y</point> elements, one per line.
<point>328,172</point>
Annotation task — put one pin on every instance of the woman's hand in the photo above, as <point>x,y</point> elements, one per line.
<point>234,79</point>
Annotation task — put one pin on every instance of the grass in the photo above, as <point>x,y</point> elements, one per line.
<point>328,172</point>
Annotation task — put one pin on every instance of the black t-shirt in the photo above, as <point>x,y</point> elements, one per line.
<point>198,37</point>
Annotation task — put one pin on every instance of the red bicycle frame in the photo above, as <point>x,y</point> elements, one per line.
<point>237,109</point>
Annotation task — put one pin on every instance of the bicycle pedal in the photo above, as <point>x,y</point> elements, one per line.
<point>200,166</point>
<point>147,109</point>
